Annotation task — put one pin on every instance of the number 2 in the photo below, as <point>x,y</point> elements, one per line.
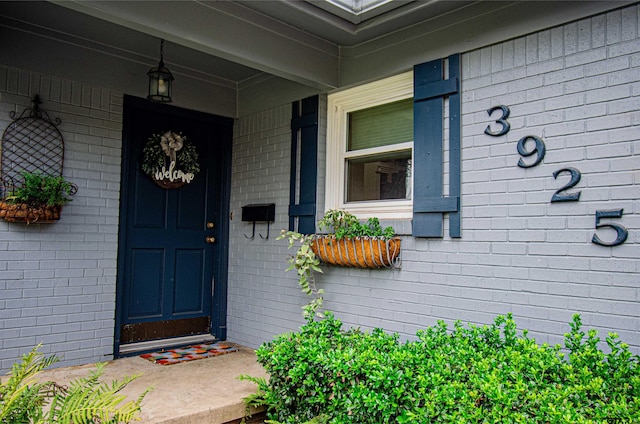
<point>575,179</point>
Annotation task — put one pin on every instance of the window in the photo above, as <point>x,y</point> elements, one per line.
<point>370,149</point>
<point>377,150</point>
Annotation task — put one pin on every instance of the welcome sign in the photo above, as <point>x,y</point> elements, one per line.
<point>170,160</point>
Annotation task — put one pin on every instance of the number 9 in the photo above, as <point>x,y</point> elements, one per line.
<point>539,150</point>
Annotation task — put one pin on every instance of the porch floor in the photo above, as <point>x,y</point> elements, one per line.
<point>204,391</point>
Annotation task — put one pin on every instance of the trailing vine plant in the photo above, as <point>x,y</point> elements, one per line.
<point>306,264</point>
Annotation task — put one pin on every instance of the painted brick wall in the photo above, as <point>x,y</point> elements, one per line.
<point>577,87</point>
<point>263,300</point>
<point>57,281</point>
<point>260,301</point>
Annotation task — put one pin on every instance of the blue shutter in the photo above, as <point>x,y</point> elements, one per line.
<point>304,135</point>
<point>429,203</point>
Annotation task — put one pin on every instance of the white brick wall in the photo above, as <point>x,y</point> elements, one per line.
<point>57,281</point>
<point>575,86</point>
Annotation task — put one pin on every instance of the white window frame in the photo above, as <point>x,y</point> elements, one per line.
<point>340,104</point>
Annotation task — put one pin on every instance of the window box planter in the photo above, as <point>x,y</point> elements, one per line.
<point>22,212</point>
<point>360,252</point>
<point>351,243</point>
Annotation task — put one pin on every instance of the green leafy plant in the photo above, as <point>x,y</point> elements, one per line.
<point>344,224</point>
<point>23,399</point>
<point>472,374</point>
<point>306,264</point>
<point>41,190</point>
<point>21,396</point>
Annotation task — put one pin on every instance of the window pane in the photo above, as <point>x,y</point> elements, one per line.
<point>382,125</point>
<point>380,177</point>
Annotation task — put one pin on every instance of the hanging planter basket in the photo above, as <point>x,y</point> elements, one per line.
<point>31,160</point>
<point>361,252</point>
<point>21,212</point>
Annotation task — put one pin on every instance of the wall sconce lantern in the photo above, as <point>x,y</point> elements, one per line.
<point>160,80</point>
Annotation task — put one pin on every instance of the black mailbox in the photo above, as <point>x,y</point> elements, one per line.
<point>264,212</point>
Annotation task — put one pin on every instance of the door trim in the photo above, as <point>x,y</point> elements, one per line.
<point>141,347</point>
<point>218,312</point>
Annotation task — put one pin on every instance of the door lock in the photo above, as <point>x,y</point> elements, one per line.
<point>210,225</point>
<point>210,239</point>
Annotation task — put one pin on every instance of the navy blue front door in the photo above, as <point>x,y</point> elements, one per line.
<point>173,242</point>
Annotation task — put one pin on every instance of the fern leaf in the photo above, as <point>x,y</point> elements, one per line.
<point>88,401</point>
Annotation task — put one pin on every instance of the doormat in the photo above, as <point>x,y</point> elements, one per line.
<point>190,353</point>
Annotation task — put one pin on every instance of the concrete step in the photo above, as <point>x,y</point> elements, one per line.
<point>204,391</point>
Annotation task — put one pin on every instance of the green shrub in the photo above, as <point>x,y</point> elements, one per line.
<point>474,374</point>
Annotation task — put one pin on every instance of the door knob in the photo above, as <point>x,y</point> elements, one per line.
<point>210,239</point>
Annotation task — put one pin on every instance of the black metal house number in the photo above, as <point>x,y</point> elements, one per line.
<point>532,150</point>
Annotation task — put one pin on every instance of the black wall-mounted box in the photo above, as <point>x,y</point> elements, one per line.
<point>265,212</point>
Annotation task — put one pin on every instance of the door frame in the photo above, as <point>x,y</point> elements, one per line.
<point>218,312</point>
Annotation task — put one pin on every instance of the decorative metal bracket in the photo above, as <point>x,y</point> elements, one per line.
<point>31,143</point>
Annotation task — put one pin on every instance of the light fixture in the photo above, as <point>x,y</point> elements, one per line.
<point>160,80</point>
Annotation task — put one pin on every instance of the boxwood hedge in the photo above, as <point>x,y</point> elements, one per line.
<point>467,374</point>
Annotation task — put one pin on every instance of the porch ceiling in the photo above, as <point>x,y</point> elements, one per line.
<point>316,43</point>
<point>231,42</point>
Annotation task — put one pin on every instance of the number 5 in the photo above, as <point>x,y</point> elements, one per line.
<point>621,231</point>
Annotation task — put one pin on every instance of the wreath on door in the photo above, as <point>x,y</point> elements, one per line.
<point>170,160</point>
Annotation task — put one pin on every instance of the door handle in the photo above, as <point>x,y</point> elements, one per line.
<point>210,239</point>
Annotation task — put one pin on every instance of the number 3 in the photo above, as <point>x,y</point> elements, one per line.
<point>502,121</point>
<point>621,231</point>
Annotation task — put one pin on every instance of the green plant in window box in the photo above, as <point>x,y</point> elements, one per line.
<point>39,199</point>
<point>345,224</point>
